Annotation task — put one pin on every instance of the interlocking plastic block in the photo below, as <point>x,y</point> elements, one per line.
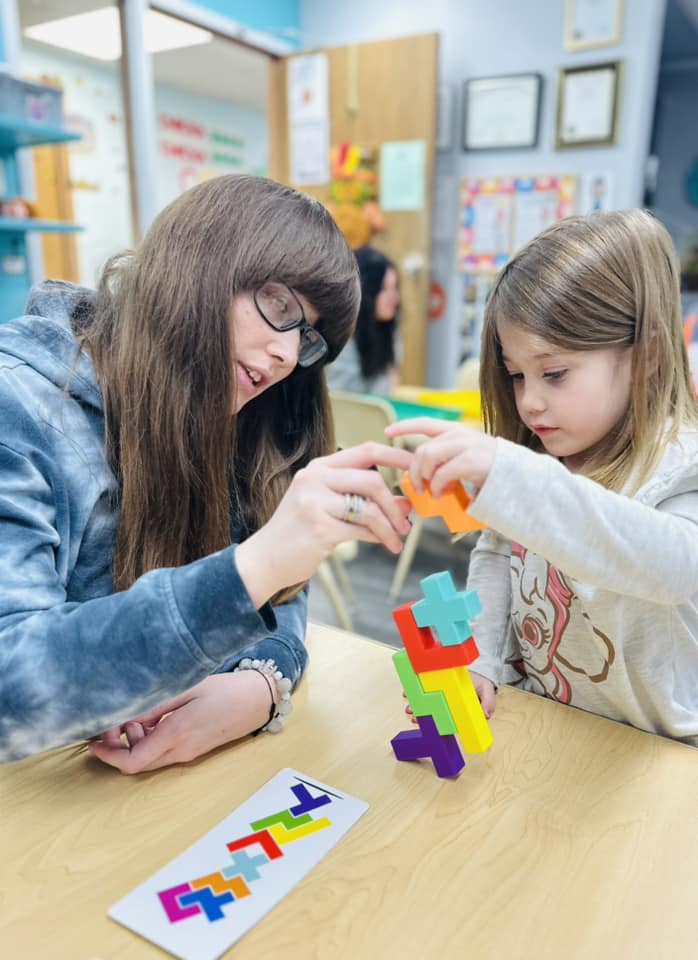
<point>428,742</point>
<point>423,704</point>
<point>221,883</point>
<point>282,835</point>
<point>423,648</point>
<point>306,801</point>
<point>263,838</point>
<point>447,610</point>
<point>464,706</point>
<point>451,506</point>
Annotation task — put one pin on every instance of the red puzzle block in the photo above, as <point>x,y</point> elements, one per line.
<point>424,650</point>
<point>451,507</point>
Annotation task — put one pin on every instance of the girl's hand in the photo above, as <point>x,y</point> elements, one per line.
<point>454,452</point>
<point>308,523</point>
<point>486,691</point>
<point>222,708</point>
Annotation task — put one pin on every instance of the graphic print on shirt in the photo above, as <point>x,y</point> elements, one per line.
<point>542,607</point>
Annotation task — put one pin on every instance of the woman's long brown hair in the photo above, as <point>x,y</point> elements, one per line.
<point>160,338</point>
<point>587,283</point>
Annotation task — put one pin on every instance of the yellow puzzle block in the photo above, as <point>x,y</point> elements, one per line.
<point>282,835</point>
<point>461,696</point>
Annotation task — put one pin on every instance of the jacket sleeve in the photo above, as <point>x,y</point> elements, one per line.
<point>488,575</point>
<point>594,535</point>
<point>70,670</point>
<point>286,646</point>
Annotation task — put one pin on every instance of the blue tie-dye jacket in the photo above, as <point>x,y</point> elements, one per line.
<point>75,657</point>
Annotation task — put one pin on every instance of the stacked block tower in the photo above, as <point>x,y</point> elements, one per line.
<point>438,647</point>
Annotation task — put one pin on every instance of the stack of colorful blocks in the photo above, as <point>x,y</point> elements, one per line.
<point>433,667</point>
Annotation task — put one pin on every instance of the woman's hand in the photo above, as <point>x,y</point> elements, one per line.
<point>222,708</point>
<point>308,523</point>
<point>454,452</point>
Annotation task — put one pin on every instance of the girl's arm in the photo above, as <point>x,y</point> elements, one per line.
<point>592,534</point>
<point>489,576</point>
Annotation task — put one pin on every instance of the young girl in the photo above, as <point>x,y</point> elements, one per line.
<point>588,573</point>
<point>148,427</point>
<point>368,362</point>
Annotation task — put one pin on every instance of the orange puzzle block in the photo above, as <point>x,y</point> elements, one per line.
<point>452,506</point>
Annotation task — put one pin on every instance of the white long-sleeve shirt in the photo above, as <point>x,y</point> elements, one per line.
<point>591,597</point>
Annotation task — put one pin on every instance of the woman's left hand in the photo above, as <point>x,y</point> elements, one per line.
<point>224,707</point>
<point>454,452</point>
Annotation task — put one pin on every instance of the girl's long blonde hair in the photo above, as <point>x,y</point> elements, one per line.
<point>585,283</point>
<point>161,341</point>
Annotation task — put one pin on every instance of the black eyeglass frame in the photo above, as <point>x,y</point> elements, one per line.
<point>319,344</point>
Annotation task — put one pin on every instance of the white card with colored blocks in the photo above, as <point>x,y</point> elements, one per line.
<point>203,901</point>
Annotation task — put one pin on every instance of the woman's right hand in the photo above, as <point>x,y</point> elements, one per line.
<point>308,523</point>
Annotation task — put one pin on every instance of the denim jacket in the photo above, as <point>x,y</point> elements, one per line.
<point>75,657</point>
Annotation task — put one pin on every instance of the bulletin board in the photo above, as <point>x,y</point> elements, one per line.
<point>497,216</point>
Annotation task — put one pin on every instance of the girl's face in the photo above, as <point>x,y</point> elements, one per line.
<point>571,399</point>
<point>262,355</point>
<point>388,298</point>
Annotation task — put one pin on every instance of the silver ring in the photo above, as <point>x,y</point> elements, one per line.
<point>353,507</point>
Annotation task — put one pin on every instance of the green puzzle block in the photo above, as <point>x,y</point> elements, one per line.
<point>423,704</point>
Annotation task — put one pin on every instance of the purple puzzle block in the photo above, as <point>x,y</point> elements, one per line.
<point>443,749</point>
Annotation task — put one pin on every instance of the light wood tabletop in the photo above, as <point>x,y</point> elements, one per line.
<point>572,837</point>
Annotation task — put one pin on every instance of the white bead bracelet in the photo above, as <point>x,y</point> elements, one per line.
<point>283,705</point>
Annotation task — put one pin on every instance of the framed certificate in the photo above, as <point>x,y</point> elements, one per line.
<point>501,113</point>
<point>593,23</point>
<point>587,107</point>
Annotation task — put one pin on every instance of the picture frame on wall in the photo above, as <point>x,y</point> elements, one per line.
<point>588,105</point>
<point>502,113</point>
<point>593,23</point>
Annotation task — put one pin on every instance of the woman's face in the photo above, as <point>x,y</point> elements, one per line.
<point>388,298</point>
<point>262,355</point>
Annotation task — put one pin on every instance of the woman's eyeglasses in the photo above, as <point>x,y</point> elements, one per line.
<point>278,305</point>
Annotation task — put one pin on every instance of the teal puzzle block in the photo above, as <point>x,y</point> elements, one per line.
<point>445,609</point>
<point>423,704</point>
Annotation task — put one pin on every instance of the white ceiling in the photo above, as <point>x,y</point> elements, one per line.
<point>221,69</point>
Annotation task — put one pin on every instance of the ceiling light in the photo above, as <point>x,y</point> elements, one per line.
<point>98,34</point>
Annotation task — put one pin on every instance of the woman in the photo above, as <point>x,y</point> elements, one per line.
<point>368,362</point>
<point>164,486</point>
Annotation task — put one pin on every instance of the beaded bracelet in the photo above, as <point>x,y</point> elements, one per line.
<point>283,706</point>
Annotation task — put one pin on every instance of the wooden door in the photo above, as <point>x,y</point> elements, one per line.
<point>54,202</point>
<point>380,92</point>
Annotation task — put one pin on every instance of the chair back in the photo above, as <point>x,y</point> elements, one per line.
<point>358,418</point>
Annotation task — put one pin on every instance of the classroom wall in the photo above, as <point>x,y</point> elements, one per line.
<point>489,39</point>
<point>676,146</point>
<point>278,17</point>
<point>93,106</point>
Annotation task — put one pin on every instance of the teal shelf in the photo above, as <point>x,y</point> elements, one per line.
<point>15,133</point>
<point>20,225</point>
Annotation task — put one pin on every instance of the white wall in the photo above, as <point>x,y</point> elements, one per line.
<point>493,37</point>
<point>99,164</point>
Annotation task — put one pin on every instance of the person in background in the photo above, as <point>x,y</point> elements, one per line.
<point>166,480</point>
<point>368,364</point>
<point>588,479</point>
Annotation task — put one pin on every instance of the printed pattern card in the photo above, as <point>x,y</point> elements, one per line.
<point>203,901</point>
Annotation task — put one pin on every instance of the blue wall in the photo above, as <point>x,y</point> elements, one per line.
<point>279,17</point>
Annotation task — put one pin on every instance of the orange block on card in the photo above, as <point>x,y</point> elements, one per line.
<point>452,507</point>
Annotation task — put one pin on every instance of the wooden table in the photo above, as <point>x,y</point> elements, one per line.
<point>573,837</point>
